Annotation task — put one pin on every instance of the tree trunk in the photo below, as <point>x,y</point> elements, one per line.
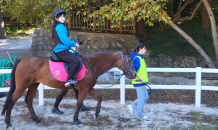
<point>194,44</point>
<point>140,28</point>
<point>213,28</point>
<point>2,29</point>
<point>205,18</point>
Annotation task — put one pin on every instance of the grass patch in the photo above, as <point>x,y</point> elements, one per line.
<point>53,120</point>
<point>201,118</point>
<point>175,127</point>
<point>202,127</point>
<point>100,121</point>
<point>16,32</point>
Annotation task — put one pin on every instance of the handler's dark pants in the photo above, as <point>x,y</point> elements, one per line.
<point>71,61</point>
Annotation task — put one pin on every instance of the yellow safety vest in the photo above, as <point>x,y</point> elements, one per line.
<point>142,72</point>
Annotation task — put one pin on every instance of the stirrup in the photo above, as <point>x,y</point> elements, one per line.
<point>71,83</point>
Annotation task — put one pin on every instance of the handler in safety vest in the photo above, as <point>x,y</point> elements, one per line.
<point>138,82</point>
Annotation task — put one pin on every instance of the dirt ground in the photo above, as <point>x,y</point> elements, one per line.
<point>113,115</point>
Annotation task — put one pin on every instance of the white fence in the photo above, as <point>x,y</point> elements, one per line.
<point>122,86</point>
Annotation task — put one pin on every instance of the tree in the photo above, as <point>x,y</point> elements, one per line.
<point>151,11</point>
<point>2,29</point>
<point>205,17</point>
<point>147,10</point>
<point>213,28</point>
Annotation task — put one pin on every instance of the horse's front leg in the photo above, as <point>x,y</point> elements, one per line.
<point>95,94</point>
<point>81,96</point>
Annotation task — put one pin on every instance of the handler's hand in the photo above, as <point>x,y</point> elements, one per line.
<point>141,80</point>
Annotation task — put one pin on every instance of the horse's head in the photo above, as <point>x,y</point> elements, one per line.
<point>127,66</point>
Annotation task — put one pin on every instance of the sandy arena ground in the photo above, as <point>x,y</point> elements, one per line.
<point>113,115</point>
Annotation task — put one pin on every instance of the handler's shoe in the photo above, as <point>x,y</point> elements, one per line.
<point>130,109</point>
<point>145,117</point>
<point>71,82</point>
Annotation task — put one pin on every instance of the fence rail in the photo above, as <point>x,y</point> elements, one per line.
<point>99,23</point>
<point>122,86</point>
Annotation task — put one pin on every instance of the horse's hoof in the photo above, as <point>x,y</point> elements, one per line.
<point>10,128</point>
<point>96,115</point>
<point>56,111</point>
<point>39,124</point>
<point>80,125</point>
<point>85,108</point>
<point>78,122</point>
<point>38,121</point>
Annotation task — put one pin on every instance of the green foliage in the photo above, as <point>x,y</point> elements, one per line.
<point>32,11</point>
<point>14,29</point>
<point>7,29</point>
<point>172,44</point>
<point>39,11</point>
<point>174,83</point>
<point>133,9</point>
<point>216,84</point>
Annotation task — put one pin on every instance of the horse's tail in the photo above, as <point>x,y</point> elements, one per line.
<point>12,88</point>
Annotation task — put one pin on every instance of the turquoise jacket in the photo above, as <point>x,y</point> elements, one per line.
<point>65,39</point>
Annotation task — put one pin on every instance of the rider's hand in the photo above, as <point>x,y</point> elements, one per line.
<point>77,46</point>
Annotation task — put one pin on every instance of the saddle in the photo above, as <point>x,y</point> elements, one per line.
<point>60,71</point>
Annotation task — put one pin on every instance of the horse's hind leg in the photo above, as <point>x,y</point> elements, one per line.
<point>11,101</point>
<point>95,94</point>
<point>58,100</point>
<point>29,100</point>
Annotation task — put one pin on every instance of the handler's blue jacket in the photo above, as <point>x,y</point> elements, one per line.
<point>137,65</point>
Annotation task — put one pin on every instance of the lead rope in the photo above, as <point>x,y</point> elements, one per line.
<point>96,78</point>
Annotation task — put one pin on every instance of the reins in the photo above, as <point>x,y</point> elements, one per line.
<point>131,69</point>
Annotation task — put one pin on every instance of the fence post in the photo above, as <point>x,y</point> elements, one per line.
<point>41,94</point>
<point>122,89</point>
<point>69,23</point>
<point>198,87</point>
<point>134,27</point>
<point>94,24</point>
<point>121,25</point>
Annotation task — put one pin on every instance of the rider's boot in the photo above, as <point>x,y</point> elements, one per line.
<point>71,82</point>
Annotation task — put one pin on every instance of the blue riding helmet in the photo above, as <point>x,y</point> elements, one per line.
<point>56,12</point>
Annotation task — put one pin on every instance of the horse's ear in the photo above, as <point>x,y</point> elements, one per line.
<point>124,50</point>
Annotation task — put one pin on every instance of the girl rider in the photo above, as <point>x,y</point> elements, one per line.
<point>63,45</point>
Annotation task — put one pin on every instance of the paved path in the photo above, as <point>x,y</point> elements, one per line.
<point>17,46</point>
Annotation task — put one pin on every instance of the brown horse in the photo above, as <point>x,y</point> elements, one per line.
<point>29,71</point>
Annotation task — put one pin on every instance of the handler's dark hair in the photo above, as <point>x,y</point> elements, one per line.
<point>141,46</point>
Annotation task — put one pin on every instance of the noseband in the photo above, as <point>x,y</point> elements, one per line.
<point>130,69</point>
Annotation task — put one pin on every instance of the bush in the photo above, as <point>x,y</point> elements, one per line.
<point>14,29</point>
<point>7,29</point>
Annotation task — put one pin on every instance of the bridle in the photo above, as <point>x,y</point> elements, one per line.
<point>130,69</point>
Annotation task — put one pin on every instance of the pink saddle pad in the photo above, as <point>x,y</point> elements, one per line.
<point>58,71</point>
